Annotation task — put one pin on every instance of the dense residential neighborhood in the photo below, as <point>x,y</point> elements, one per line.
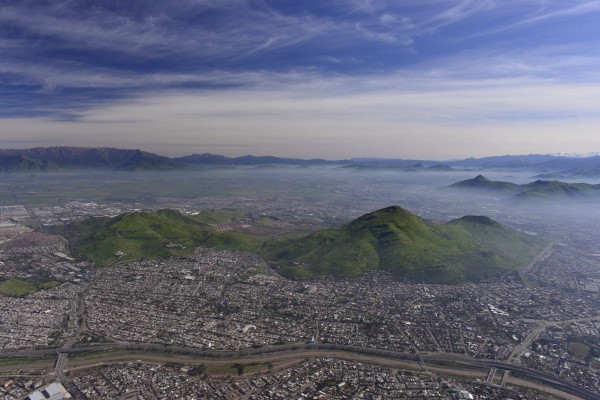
<point>211,304</point>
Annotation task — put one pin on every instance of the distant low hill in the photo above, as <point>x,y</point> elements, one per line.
<point>530,161</point>
<point>583,172</point>
<point>555,190</point>
<point>214,159</point>
<point>480,182</point>
<point>471,248</point>
<point>545,164</point>
<point>60,158</point>
<point>418,167</point>
<point>538,190</point>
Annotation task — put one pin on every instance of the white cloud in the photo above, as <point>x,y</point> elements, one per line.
<point>443,119</point>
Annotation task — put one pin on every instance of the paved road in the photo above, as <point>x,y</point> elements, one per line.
<point>541,255</point>
<point>448,361</point>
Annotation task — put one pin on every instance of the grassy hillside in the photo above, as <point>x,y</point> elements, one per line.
<point>556,190</point>
<point>151,235</point>
<point>505,249</point>
<point>393,239</point>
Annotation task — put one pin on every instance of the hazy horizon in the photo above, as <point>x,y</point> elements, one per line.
<point>359,157</point>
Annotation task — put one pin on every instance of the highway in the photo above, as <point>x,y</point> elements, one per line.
<point>545,253</point>
<point>456,364</point>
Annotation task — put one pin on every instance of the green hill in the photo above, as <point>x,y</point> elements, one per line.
<point>151,235</point>
<point>480,182</point>
<point>471,248</point>
<point>538,190</point>
<point>556,190</point>
<point>394,240</point>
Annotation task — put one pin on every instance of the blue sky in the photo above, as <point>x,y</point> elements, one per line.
<point>334,79</point>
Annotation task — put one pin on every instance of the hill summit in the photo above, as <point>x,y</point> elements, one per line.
<point>161,234</point>
<point>482,183</point>
<point>392,239</point>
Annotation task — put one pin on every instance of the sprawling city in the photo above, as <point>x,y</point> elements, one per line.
<point>219,321</point>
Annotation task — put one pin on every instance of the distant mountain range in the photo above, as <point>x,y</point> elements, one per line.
<point>538,190</point>
<point>61,158</point>
<point>214,159</point>
<point>549,166</point>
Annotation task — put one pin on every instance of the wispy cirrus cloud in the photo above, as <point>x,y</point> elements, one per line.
<point>217,29</point>
<point>167,38</point>
<point>185,38</point>
<point>456,13</point>
<point>533,13</point>
<point>565,10</point>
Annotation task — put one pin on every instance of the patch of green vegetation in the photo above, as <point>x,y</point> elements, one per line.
<point>154,235</point>
<point>27,360</point>
<point>48,285</point>
<point>251,368</point>
<point>221,370</point>
<point>17,287</point>
<point>20,287</point>
<point>234,241</point>
<point>393,239</point>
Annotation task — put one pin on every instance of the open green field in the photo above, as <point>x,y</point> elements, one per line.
<point>20,287</point>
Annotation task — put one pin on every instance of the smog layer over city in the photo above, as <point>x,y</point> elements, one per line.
<point>319,200</point>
